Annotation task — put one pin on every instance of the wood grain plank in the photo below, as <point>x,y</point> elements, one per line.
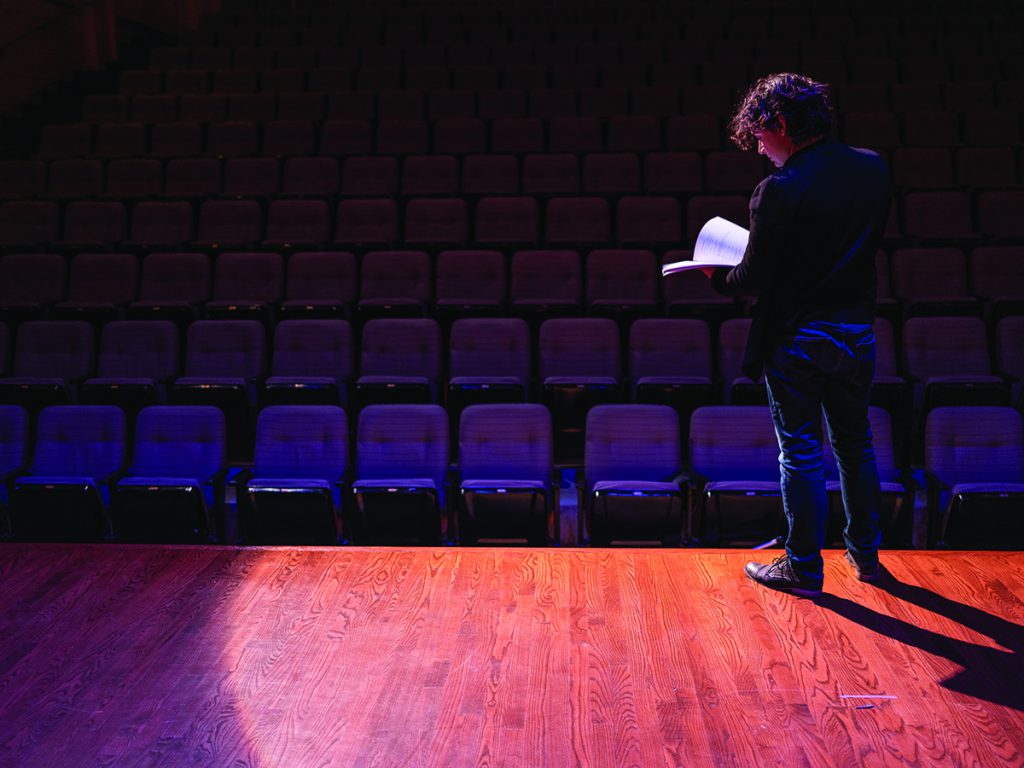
<point>143,656</point>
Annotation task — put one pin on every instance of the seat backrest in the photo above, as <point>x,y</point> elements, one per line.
<point>470,276</point>
<point>182,139</point>
<point>79,441</point>
<point>103,277</point>
<point>669,347</point>
<point>937,214</point>
<point>76,177</point>
<point>175,277</point>
<point>38,278</point>
<point>734,442</point>
<point>230,221</point>
<point>490,346</point>
<point>401,347</point>
<point>313,348</point>
<point>432,175</point>
<point>622,275</point>
<point>310,176</point>
<point>252,176</point>
<point>179,441</point>
<point>579,347</point>
<point>577,220</point>
<point>298,221</point>
<point>975,444</point>
<point>442,220</point>
<point>507,441</point>
<point>316,275</point>
<point>632,442</point>
<point>648,219</point>
<point>13,440</point>
<point>922,273</point>
<point>507,220</point>
<point>249,276</point>
<point>301,441</point>
<point>611,173</point>
<point>94,221</point>
<point>490,175</point>
<point>28,222</point>
<point>139,348</point>
<point>162,222</point>
<point>366,221</point>
<point>59,349</point>
<point>134,178</point>
<point>545,277</point>
<point>996,272</point>
<point>402,441</point>
<point>396,275</point>
<point>941,346</point>
<point>230,348</point>
<point>551,173</point>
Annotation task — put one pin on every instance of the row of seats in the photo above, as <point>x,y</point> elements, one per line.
<point>989,281</point>
<point>923,73</point>
<point>863,32</point>
<point>233,127</point>
<point>571,366</point>
<point>714,172</point>
<point>360,136</point>
<point>965,57</point>
<point>84,479</point>
<point>64,351</point>
<point>922,217</point>
<point>332,92</point>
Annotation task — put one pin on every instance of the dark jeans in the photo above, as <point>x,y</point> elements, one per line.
<point>825,366</point>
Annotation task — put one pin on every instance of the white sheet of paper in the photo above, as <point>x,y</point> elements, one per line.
<point>720,243</point>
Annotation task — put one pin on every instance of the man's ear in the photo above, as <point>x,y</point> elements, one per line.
<point>782,126</point>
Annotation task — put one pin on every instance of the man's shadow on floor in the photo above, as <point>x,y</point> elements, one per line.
<point>989,674</point>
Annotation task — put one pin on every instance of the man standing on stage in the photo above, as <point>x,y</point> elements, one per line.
<point>815,225</point>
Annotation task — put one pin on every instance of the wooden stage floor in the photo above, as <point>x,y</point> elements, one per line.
<point>291,657</point>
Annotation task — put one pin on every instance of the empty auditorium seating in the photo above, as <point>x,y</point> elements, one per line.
<point>51,357</point>
<point>734,458</point>
<point>173,490</point>
<point>319,284</point>
<point>633,466</point>
<point>312,363</point>
<point>30,283</point>
<point>400,361</point>
<point>399,488</point>
<point>506,479</point>
<point>327,165</point>
<point>137,359</point>
<point>294,492</point>
<point>578,366</point>
<point>975,464</point>
<point>224,362</point>
<point>65,496</point>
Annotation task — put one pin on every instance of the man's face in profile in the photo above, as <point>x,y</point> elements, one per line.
<point>775,145</point>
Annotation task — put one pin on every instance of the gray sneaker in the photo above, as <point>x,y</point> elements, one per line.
<point>865,570</point>
<point>780,575</point>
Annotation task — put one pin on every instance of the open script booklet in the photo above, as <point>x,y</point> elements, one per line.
<point>719,244</point>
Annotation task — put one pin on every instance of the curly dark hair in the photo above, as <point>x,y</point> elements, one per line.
<point>804,103</point>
